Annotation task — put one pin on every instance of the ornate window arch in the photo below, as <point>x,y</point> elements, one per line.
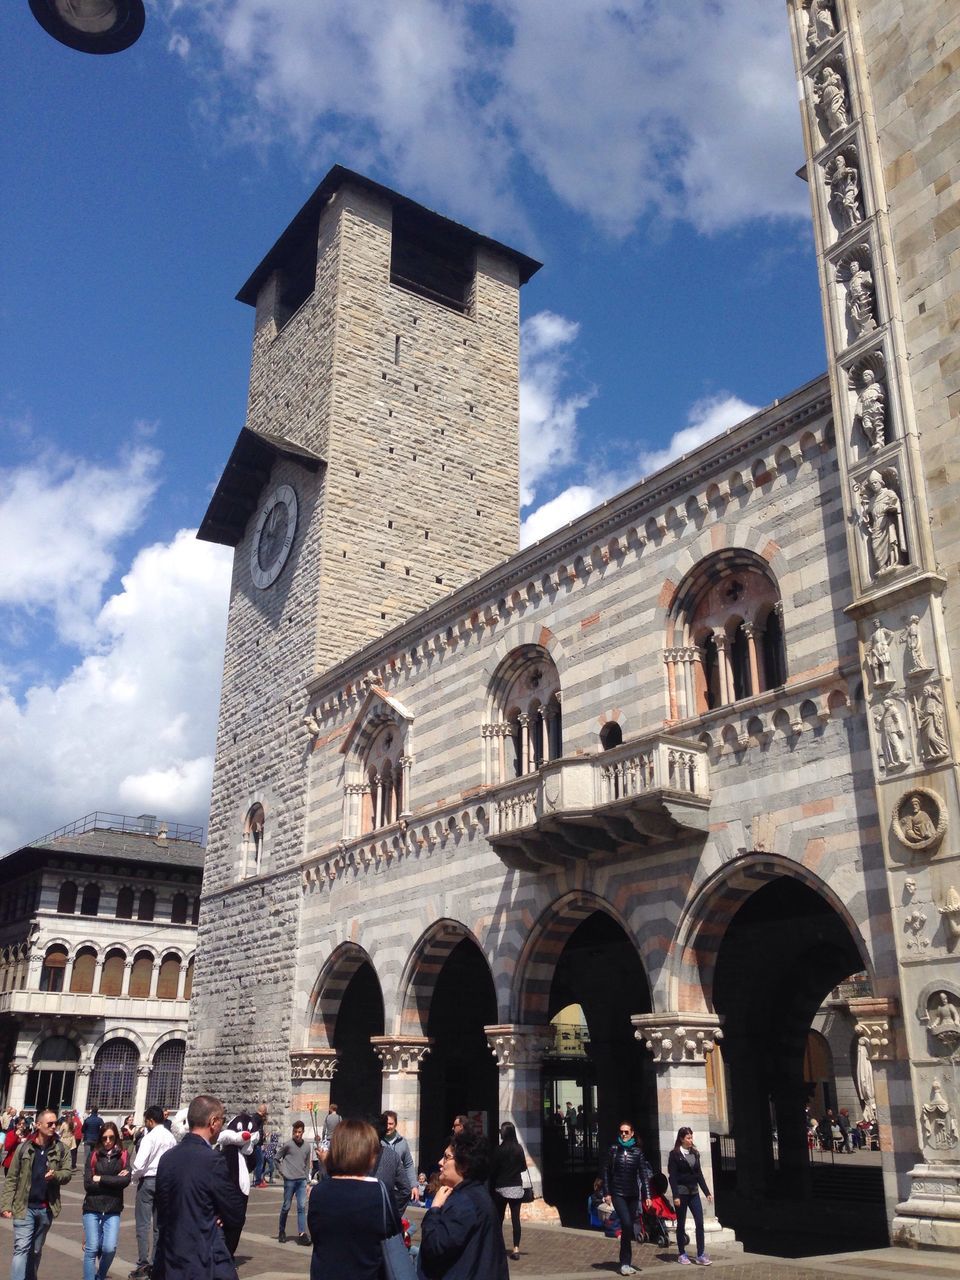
<point>254,827</point>
<point>725,637</point>
<point>524,724</point>
<point>378,765</point>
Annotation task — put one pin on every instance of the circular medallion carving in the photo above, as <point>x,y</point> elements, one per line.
<point>920,819</point>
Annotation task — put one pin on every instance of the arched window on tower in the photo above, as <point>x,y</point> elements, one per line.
<point>90,902</point>
<point>147,906</point>
<point>254,826</point>
<point>178,911</point>
<point>125,903</point>
<point>67,902</point>
<point>384,798</point>
<point>725,638</point>
<point>524,724</point>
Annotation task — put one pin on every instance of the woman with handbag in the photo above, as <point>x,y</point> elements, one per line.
<point>507,1172</point>
<point>105,1179</point>
<point>686,1183</point>
<point>350,1217</point>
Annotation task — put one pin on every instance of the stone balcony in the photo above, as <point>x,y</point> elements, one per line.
<point>73,1004</point>
<point>646,794</point>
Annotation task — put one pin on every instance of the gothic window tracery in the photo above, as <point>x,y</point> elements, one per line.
<point>725,638</point>
<point>524,727</point>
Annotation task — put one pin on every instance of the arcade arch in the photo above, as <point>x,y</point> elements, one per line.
<point>347,1012</point>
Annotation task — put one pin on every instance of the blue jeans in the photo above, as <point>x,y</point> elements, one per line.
<point>258,1158</point>
<point>696,1208</point>
<point>101,1231</point>
<point>267,1171</point>
<point>291,1187</point>
<point>29,1234</point>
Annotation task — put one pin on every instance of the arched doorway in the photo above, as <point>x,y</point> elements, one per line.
<point>785,948</point>
<point>355,1087</point>
<point>588,995</point>
<point>459,1075</point>
<point>52,1074</point>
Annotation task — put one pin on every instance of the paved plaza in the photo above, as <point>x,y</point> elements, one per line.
<point>555,1252</point>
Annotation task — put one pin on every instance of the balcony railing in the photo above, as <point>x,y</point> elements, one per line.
<point>72,1004</point>
<point>645,793</point>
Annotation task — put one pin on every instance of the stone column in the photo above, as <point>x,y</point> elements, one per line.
<point>17,1088</point>
<point>680,1043</point>
<point>181,979</point>
<point>519,1051</point>
<point>140,1097</point>
<point>670,657</point>
<point>406,765</point>
<point>723,669</point>
<point>524,720</point>
<point>68,972</point>
<point>750,631</point>
<point>34,965</point>
<point>311,1073</point>
<point>154,976</point>
<point>82,1089</point>
<point>400,1058</point>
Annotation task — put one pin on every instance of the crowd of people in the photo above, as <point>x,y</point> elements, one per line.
<point>192,1173</point>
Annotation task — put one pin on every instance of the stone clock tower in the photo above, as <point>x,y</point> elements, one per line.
<point>378,469</point>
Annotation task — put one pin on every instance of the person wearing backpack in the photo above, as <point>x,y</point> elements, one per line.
<point>31,1193</point>
<point>105,1178</point>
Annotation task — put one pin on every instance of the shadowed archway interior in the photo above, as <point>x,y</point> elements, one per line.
<point>355,1087</point>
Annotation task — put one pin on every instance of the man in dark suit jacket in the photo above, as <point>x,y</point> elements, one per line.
<point>195,1200</point>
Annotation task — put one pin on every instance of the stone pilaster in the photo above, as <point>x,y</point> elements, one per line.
<point>17,1088</point>
<point>680,1043</point>
<point>401,1057</point>
<point>519,1051</point>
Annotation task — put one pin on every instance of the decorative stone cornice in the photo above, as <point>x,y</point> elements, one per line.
<point>516,1045</point>
<point>678,1037</point>
<point>314,1064</point>
<point>874,1015</point>
<point>401,1055</point>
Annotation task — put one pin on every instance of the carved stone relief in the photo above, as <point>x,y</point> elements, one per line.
<point>846,199</point>
<point>401,1055</point>
<point>879,657</point>
<point>931,722</point>
<point>938,1121</point>
<point>860,299</point>
<point>893,742</point>
<point>880,518</point>
<point>821,25</point>
<point>830,95</point>
<point>920,819</point>
<point>950,911</point>
<point>914,924</point>
<point>915,665</point>
<point>870,412</point>
<point>943,1020</point>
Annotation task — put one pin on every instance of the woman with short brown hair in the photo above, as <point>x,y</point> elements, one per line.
<point>350,1214</point>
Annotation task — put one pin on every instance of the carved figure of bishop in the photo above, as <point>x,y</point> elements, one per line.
<point>881,517</point>
<point>872,409</point>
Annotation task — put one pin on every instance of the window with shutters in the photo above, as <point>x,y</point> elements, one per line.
<point>111,975</point>
<point>84,969</point>
<point>54,965</point>
<point>168,978</point>
<point>141,975</point>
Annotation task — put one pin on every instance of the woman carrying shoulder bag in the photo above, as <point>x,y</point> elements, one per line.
<point>686,1183</point>
<point>105,1179</point>
<point>506,1178</point>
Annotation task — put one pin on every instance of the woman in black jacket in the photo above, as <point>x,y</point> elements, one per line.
<point>105,1179</point>
<point>461,1238</point>
<point>506,1178</point>
<point>686,1183</point>
<point>626,1184</point>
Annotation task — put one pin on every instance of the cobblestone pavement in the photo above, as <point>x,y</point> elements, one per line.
<point>547,1253</point>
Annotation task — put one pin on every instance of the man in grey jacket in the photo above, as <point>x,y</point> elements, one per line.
<point>406,1173</point>
<point>293,1163</point>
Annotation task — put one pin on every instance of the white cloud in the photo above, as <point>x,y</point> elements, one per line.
<point>566,506</point>
<point>548,412</point>
<point>60,520</point>
<point>706,418</point>
<point>179,44</point>
<point>133,725</point>
<point>644,107</point>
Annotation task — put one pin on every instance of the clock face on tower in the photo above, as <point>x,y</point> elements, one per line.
<point>273,535</point>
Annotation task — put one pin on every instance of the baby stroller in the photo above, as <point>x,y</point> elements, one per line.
<point>652,1224</point>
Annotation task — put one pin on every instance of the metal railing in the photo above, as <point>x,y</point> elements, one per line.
<point>147,824</point>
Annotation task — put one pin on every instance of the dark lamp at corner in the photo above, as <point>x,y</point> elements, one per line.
<point>91,26</point>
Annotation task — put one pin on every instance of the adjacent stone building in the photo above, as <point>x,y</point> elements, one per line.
<point>97,938</point>
<point>685,765</point>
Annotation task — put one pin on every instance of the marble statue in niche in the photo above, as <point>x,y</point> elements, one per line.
<point>872,409</point>
<point>831,99</point>
<point>821,26</point>
<point>881,519</point>
<point>894,749</point>
<point>951,914</point>
<point>860,299</point>
<point>944,1016</point>
<point>879,658</point>
<point>914,660</point>
<point>937,1121</point>
<point>844,181</point>
<point>931,725</point>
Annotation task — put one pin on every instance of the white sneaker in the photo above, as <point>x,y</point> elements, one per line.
<point>627,1270</point>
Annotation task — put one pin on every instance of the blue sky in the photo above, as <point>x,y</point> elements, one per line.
<point>644,151</point>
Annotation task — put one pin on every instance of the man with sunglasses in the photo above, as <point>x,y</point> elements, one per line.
<point>31,1193</point>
